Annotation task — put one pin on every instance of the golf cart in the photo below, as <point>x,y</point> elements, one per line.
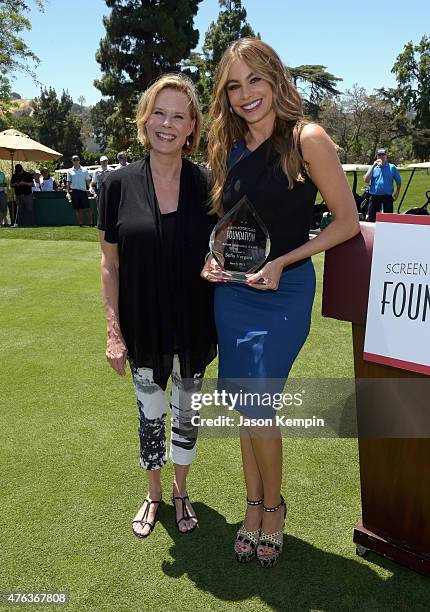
<point>322,217</point>
<point>419,210</point>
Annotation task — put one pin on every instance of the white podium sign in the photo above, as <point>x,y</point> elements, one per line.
<point>398,314</point>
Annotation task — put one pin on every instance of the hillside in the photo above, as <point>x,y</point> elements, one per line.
<point>23,107</point>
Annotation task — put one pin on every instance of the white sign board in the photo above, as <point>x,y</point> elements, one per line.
<point>398,315</point>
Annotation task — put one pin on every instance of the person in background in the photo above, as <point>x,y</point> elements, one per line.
<point>100,175</point>
<point>122,159</point>
<point>3,199</point>
<point>78,182</point>
<point>36,181</point>
<point>381,177</point>
<point>22,182</point>
<point>48,183</point>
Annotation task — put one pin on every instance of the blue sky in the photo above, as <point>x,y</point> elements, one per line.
<point>358,42</point>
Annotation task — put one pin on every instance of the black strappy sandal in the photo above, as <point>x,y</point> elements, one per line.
<point>250,538</point>
<point>143,520</point>
<point>272,540</point>
<point>185,514</point>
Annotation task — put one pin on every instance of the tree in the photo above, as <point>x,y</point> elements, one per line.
<point>359,123</point>
<point>382,127</point>
<point>25,123</point>
<point>101,114</point>
<point>5,100</point>
<point>421,143</point>
<point>15,55</point>
<point>84,113</point>
<point>314,84</point>
<point>58,127</point>
<point>143,39</point>
<point>412,70</point>
<point>230,26</point>
<point>70,139</point>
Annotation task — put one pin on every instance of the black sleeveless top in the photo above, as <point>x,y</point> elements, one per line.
<point>286,213</point>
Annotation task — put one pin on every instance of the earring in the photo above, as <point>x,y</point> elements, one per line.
<point>230,108</point>
<point>187,142</point>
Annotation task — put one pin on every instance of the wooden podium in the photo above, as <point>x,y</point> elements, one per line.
<point>394,471</point>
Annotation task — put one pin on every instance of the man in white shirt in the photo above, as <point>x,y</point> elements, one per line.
<point>99,175</point>
<point>78,182</point>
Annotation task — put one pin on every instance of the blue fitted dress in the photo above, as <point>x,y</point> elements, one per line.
<point>260,333</point>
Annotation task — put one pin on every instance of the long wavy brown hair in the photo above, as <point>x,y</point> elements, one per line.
<point>228,128</point>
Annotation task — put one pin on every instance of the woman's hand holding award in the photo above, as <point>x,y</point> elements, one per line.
<point>239,243</point>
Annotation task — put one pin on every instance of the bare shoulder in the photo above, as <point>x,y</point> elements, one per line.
<point>315,142</point>
<point>314,134</point>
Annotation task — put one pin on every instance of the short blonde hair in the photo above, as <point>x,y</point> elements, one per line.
<point>146,104</point>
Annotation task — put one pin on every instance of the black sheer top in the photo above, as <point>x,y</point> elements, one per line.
<point>164,304</point>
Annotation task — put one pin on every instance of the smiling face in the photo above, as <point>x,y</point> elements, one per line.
<point>170,122</point>
<point>250,96</point>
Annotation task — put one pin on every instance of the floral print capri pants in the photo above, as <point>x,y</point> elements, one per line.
<point>152,410</point>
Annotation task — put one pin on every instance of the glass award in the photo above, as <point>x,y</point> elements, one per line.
<point>239,243</point>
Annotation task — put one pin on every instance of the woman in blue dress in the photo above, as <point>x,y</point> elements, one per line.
<point>260,146</point>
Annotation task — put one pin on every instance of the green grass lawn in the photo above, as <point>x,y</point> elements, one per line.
<point>71,481</point>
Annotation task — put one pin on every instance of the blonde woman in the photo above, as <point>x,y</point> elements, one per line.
<point>154,229</point>
<point>259,145</point>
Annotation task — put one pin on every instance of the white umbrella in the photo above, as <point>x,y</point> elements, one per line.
<point>17,146</point>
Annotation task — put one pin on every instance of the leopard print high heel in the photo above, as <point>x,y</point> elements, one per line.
<point>272,540</point>
<point>250,538</point>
